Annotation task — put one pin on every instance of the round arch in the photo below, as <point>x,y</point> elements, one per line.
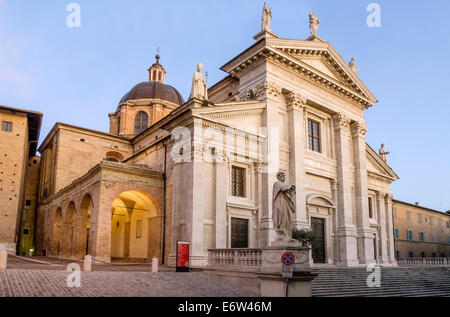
<point>135,226</point>
<point>83,226</point>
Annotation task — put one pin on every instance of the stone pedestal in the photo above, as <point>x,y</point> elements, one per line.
<point>278,280</point>
<point>3,260</point>
<point>299,285</point>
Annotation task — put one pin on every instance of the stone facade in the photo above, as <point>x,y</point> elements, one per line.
<point>420,232</point>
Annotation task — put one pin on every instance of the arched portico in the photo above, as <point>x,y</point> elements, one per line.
<point>135,226</point>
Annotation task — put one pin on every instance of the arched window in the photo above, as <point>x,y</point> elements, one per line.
<point>140,122</point>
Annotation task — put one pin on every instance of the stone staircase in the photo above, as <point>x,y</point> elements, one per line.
<point>405,281</point>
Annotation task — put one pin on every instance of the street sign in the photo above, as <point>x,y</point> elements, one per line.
<point>288,258</point>
<point>183,256</point>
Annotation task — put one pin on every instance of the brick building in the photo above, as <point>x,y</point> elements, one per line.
<point>420,232</point>
<point>19,167</point>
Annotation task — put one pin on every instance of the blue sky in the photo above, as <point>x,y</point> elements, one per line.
<point>78,75</point>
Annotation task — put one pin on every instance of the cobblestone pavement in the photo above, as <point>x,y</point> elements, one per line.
<point>47,277</point>
<point>52,283</point>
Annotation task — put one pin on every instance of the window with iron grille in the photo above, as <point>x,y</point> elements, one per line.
<point>314,136</point>
<point>7,126</point>
<point>238,181</point>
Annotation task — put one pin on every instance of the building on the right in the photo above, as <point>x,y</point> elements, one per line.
<point>420,232</point>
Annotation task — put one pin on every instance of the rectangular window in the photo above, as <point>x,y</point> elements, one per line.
<point>432,237</point>
<point>408,215</point>
<point>7,126</point>
<point>314,136</point>
<point>397,233</point>
<point>238,181</point>
<point>431,220</point>
<point>28,202</point>
<point>239,233</point>
<point>410,235</point>
<point>370,208</point>
<point>395,213</point>
<point>422,236</point>
<point>420,218</point>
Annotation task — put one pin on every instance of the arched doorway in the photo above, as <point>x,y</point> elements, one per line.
<point>67,231</point>
<point>83,225</point>
<point>56,236</point>
<point>135,227</point>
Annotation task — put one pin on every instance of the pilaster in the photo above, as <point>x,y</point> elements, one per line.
<point>347,235</point>
<point>297,176</point>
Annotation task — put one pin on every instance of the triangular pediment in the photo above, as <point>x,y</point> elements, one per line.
<point>322,59</point>
<point>319,64</point>
<point>376,166</point>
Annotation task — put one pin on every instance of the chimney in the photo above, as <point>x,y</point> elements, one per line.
<point>417,203</point>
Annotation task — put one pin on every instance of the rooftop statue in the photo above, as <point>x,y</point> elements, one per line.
<point>383,153</point>
<point>266,17</point>
<point>199,89</point>
<point>313,23</point>
<point>353,66</point>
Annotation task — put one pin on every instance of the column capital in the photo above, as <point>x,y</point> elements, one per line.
<point>295,101</point>
<point>272,89</point>
<point>340,121</point>
<point>358,129</point>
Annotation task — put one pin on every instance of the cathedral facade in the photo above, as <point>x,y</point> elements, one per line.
<point>203,170</point>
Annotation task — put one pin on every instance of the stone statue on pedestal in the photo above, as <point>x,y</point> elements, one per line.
<point>313,23</point>
<point>283,206</point>
<point>266,17</point>
<point>383,153</point>
<point>199,89</point>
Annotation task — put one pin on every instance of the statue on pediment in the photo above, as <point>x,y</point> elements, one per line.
<point>283,206</point>
<point>313,23</point>
<point>383,153</point>
<point>266,17</point>
<point>353,66</point>
<point>199,89</point>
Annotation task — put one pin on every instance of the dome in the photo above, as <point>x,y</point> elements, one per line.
<point>154,90</point>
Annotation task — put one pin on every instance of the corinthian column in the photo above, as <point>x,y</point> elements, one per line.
<point>297,176</point>
<point>365,236</point>
<point>346,229</point>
